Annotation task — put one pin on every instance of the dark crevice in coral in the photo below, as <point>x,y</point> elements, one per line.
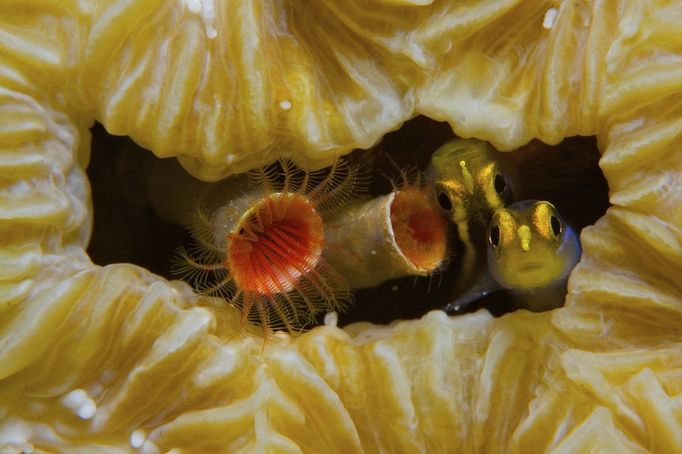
<point>127,229</point>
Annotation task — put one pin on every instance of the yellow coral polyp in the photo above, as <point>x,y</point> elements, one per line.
<point>154,366</point>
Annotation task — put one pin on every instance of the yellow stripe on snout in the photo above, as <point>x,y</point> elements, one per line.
<point>467,177</point>
<point>524,235</point>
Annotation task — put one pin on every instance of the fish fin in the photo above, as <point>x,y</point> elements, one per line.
<point>485,285</point>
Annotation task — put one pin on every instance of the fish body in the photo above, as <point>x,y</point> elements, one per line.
<point>531,251</point>
<point>470,180</point>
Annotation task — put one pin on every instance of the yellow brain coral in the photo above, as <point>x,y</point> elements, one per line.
<point>115,358</point>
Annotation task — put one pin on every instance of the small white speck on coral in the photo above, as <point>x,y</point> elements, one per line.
<point>87,410</point>
<point>550,15</point>
<point>137,438</point>
<point>331,319</point>
<point>74,399</point>
<point>285,105</point>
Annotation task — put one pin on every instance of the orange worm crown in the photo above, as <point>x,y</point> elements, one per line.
<point>419,229</point>
<point>263,251</point>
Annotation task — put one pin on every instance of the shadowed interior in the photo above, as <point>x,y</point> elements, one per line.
<point>420,231</point>
<point>119,174</point>
<point>278,241</point>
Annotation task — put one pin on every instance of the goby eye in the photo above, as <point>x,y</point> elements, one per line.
<point>556,225</point>
<point>444,201</point>
<point>494,236</point>
<point>500,184</point>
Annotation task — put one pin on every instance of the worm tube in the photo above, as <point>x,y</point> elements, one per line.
<point>395,235</point>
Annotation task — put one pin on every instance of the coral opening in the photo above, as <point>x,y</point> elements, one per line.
<point>419,229</point>
<point>121,172</point>
<point>278,241</point>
